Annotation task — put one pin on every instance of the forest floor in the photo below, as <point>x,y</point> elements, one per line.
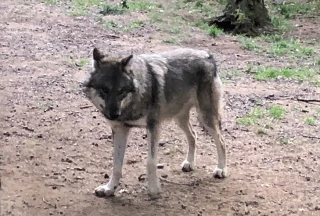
<point>56,148</point>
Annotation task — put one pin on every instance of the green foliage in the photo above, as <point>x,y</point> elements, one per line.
<point>143,5</point>
<point>50,1</point>
<point>111,9</point>
<point>82,63</point>
<point>269,73</point>
<point>256,114</point>
<point>310,121</point>
<point>210,30</point>
<point>173,40</point>
<point>291,10</point>
<point>290,46</point>
<point>248,43</point>
<point>276,112</point>
<point>252,117</point>
<point>281,24</point>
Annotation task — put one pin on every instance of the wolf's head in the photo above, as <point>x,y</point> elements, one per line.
<point>110,85</point>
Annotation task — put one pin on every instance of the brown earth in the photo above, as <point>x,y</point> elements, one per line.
<point>55,151</point>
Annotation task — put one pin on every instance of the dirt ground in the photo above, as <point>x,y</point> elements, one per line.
<point>54,150</point>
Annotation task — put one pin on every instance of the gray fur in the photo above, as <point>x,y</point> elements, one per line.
<point>144,90</point>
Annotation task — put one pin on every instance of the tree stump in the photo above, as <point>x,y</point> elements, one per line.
<point>246,17</point>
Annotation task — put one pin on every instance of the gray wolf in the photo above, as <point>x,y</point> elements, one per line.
<point>145,90</point>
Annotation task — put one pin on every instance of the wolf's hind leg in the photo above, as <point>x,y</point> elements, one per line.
<point>120,135</point>
<point>183,121</point>
<point>209,110</point>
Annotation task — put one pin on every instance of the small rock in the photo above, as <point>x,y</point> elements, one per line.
<point>164,176</point>
<point>31,157</point>
<point>106,176</point>
<point>66,160</point>
<point>160,166</point>
<point>131,161</point>
<point>183,206</point>
<point>80,169</point>
<point>142,177</point>
<point>54,187</point>
<point>308,178</point>
<point>6,134</point>
<point>317,208</point>
<point>123,191</point>
<point>167,152</point>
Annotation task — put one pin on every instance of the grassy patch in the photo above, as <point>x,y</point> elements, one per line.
<point>172,40</point>
<point>283,140</point>
<point>276,112</point>
<point>210,30</point>
<point>311,121</point>
<point>252,117</point>
<point>291,10</point>
<point>50,1</point>
<point>106,9</point>
<point>82,63</point>
<point>143,5</point>
<point>249,43</point>
<point>133,25</point>
<point>281,24</point>
<point>283,46</point>
<point>270,73</point>
<point>256,114</point>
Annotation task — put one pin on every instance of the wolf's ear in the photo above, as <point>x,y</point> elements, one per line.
<point>97,56</point>
<point>126,60</point>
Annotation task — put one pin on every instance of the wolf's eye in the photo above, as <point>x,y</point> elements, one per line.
<point>105,91</point>
<point>122,91</point>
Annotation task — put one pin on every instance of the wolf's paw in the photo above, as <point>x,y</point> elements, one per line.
<point>154,192</point>
<point>104,191</point>
<point>187,166</point>
<point>220,173</point>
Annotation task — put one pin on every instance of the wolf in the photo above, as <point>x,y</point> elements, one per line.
<point>145,90</point>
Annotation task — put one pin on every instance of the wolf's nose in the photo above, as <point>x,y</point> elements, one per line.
<point>114,116</point>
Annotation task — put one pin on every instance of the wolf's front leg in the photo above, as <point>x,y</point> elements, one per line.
<point>120,135</point>
<point>153,181</point>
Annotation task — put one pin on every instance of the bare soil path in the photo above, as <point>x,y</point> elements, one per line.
<point>54,152</point>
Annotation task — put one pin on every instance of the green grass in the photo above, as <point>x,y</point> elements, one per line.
<point>270,73</point>
<point>82,63</point>
<point>276,112</point>
<point>311,121</point>
<point>249,43</point>
<point>252,117</point>
<point>143,5</point>
<point>283,140</point>
<point>291,10</point>
<point>172,40</point>
<point>291,46</point>
<point>210,30</point>
<point>106,9</point>
<point>50,1</point>
<point>281,24</point>
<point>133,25</point>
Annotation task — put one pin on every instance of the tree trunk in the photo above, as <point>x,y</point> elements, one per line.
<point>247,17</point>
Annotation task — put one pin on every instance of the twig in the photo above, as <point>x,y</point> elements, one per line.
<point>177,183</point>
<point>86,106</point>
<point>112,36</point>
<point>46,202</point>
<point>311,137</point>
<point>283,97</point>
<point>308,100</point>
